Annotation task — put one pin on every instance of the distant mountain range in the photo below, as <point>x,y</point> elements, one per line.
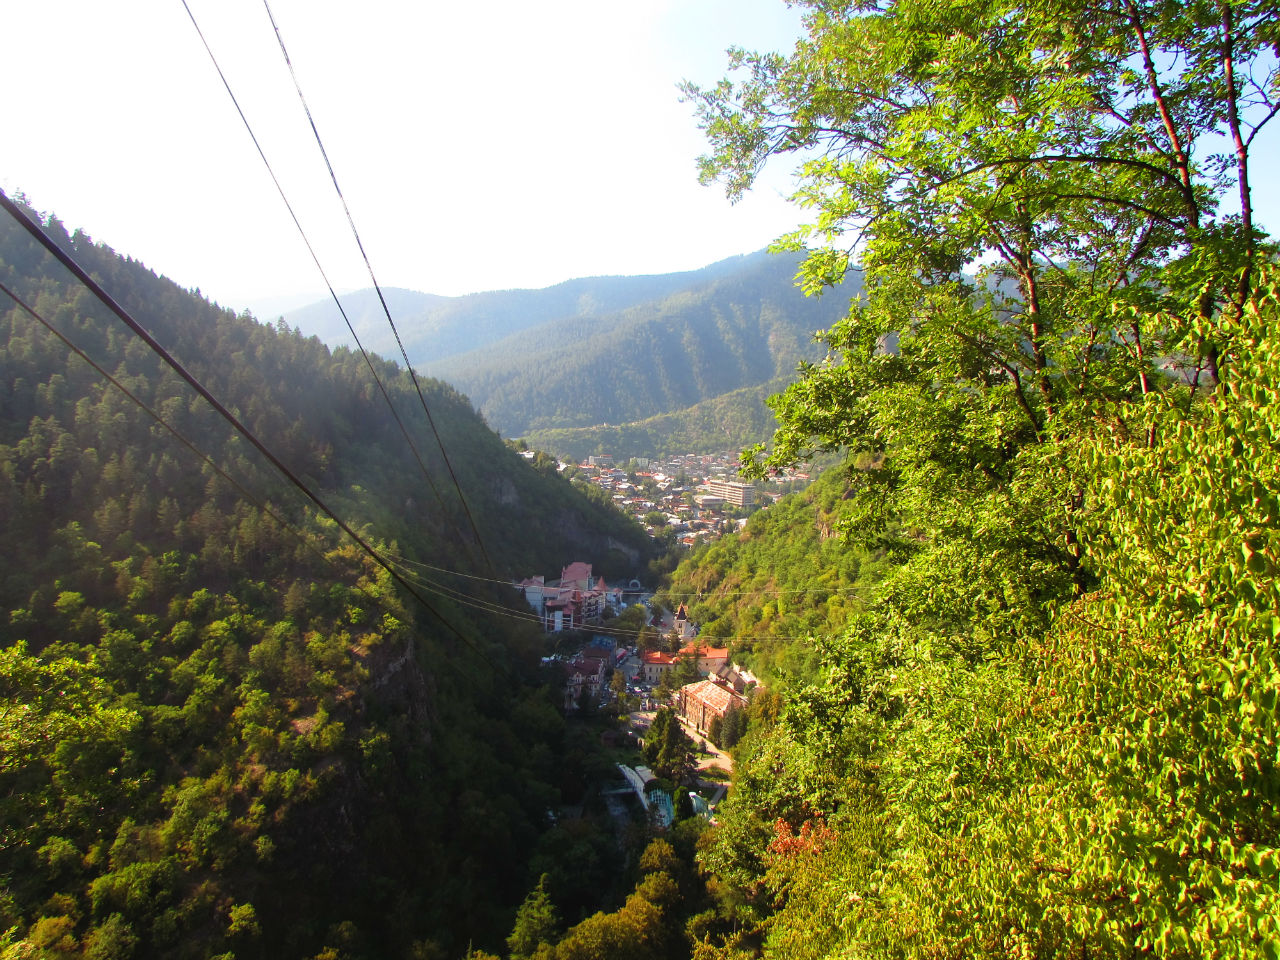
<point>602,350</point>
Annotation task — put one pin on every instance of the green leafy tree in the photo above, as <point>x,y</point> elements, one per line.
<point>685,670</point>
<point>715,732</point>
<point>732,729</point>
<point>1066,797</point>
<point>1009,176</point>
<point>1051,733</point>
<point>668,749</point>
<point>647,639</point>
<point>537,922</point>
<point>1020,131</point>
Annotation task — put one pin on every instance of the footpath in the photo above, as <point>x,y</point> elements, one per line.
<point>709,755</point>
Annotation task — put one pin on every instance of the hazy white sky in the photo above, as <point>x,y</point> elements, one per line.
<point>479,145</point>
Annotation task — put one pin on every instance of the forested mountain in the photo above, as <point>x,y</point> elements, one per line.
<point>615,349</point>
<point>730,421</point>
<point>223,727</point>
<point>748,328</point>
<point>1046,721</point>
<point>435,328</point>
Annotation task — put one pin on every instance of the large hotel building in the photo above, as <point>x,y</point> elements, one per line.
<point>739,494</point>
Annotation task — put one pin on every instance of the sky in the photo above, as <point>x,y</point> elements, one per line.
<point>479,146</point>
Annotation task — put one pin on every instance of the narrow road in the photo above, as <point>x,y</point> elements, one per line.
<point>714,756</point>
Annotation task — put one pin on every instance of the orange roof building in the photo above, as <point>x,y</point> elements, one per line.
<point>655,663</point>
<point>702,702</point>
<point>710,659</point>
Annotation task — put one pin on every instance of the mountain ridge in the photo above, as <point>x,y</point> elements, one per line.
<point>607,350</point>
<point>445,317</point>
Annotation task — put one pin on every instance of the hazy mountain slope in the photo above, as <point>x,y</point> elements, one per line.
<point>364,310</point>
<point>744,329</point>
<point>599,350</point>
<point>729,421</point>
<point>434,328</point>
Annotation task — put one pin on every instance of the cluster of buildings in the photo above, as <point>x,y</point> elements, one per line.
<point>574,601</point>
<point>722,689</point>
<point>578,599</point>
<point>690,493</point>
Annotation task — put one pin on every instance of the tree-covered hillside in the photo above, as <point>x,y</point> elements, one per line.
<point>789,576</point>
<point>224,729</point>
<point>1053,729</point>
<point>733,420</point>
<point>745,328</point>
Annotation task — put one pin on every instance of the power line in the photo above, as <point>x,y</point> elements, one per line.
<point>605,629</point>
<point>404,563</point>
<point>94,287</point>
<point>382,299</point>
<point>761,591</point>
<point>244,491</point>
<point>316,260</point>
<point>703,595</point>
<point>457,596</point>
<point>452,573</point>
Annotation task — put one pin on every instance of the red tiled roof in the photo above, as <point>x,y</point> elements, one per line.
<point>576,572</point>
<point>587,666</point>
<point>700,651</point>
<point>658,657</point>
<point>719,698</point>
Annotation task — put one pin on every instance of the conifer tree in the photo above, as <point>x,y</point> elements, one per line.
<point>537,922</point>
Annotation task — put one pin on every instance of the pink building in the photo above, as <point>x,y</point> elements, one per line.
<point>702,702</point>
<point>574,601</point>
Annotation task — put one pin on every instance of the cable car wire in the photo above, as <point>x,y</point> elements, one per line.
<point>316,259</point>
<point>376,286</point>
<point>35,230</point>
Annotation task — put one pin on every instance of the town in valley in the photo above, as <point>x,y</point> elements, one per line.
<point>682,501</point>
<point>628,656</point>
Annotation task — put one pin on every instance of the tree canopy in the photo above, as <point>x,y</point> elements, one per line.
<point>1031,194</point>
<point>1051,728</point>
